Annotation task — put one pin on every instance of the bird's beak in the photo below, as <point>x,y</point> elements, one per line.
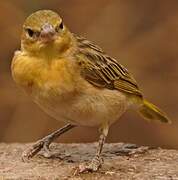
<point>47,33</point>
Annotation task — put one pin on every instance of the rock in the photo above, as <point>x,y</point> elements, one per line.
<point>121,161</point>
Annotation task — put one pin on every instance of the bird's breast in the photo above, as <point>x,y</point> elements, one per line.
<point>40,78</point>
<point>60,91</point>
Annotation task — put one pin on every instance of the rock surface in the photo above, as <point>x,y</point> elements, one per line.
<point>121,161</point>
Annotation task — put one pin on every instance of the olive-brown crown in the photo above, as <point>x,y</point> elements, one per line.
<point>39,18</point>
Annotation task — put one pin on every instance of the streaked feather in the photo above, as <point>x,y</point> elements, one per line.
<point>103,71</point>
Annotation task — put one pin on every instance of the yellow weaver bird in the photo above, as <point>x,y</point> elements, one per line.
<point>74,81</point>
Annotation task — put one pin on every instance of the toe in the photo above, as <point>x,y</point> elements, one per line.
<point>94,166</point>
<point>30,152</point>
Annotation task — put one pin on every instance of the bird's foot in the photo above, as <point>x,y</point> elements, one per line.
<point>35,148</point>
<point>93,166</point>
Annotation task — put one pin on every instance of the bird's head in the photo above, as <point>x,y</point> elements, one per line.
<point>44,32</point>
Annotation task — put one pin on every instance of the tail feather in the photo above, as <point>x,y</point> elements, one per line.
<point>152,113</point>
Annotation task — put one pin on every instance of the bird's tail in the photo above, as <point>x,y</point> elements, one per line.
<point>152,113</point>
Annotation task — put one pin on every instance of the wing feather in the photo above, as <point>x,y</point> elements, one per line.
<point>103,71</point>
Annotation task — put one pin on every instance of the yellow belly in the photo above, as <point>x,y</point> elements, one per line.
<point>60,91</point>
<point>88,108</point>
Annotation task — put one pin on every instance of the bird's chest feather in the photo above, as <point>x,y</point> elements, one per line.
<point>60,91</point>
<point>45,80</point>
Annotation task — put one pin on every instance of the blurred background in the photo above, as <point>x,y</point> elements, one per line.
<point>141,34</point>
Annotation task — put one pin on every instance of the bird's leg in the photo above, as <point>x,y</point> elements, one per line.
<point>97,161</point>
<point>45,142</point>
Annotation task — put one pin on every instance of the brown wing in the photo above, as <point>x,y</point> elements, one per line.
<point>103,71</point>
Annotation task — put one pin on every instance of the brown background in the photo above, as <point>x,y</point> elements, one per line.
<point>141,34</point>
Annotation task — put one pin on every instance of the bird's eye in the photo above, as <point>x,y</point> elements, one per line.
<point>59,27</point>
<point>30,32</point>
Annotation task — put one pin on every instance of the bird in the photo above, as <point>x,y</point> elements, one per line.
<point>74,81</point>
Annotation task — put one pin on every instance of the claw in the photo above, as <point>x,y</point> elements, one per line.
<point>94,166</point>
<point>32,151</point>
<point>44,143</point>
